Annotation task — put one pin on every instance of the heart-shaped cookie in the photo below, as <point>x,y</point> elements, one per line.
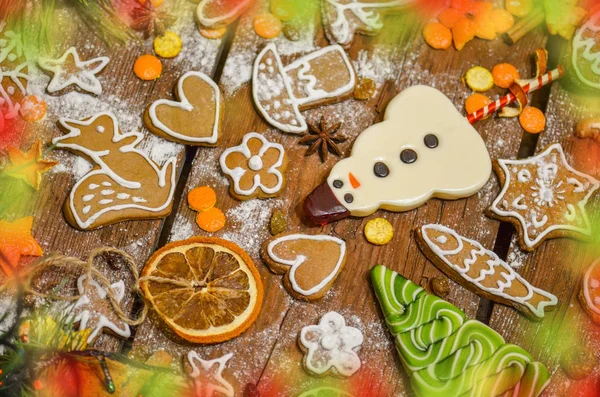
<point>311,263</point>
<point>195,118</point>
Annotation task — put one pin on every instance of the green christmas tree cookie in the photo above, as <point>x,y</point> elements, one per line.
<point>447,355</point>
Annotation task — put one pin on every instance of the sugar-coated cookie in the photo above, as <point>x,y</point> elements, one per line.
<point>124,183</point>
<point>311,263</point>
<point>402,162</point>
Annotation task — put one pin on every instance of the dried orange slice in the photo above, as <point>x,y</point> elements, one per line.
<point>206,289</point>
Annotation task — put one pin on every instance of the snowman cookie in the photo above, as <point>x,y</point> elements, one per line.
<point>402,162</point>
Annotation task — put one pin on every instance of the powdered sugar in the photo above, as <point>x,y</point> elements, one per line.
<point>182,229</point>
<point>377,64</point>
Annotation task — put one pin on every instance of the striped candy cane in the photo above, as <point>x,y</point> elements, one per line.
<point>533,85</point>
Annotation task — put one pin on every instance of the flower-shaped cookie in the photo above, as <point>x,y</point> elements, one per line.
<point>331,346</point>
<point>255,168</point>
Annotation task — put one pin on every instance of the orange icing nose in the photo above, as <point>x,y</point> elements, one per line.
<point>353,181</point>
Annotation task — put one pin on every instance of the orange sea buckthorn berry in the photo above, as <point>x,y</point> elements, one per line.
<point>532,120</point>
<point>33,108</point>
<point>211,220</point>
<point>504,74</point>
<point>437,35</point>
<point>202,198</point>
<point>147,67</point>
<point>476,102</point>
<point>267,26</point>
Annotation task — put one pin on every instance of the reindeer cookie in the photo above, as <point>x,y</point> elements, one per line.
<point>311,263</point>
<point>280,93</point>
<point>402,162</point>
<point>124,183</point>
<point>343,18</point>
<point>195,118</point>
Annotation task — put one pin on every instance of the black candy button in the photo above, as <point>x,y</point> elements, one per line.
<point>348,198</point>
<point>381,170</point>
<point>338,184</point>
<point>408,156</point>
<point>431,141</point>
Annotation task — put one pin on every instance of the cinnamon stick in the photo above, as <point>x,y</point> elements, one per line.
<point>524,26</point>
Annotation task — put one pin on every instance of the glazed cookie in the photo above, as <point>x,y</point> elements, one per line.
<point>70,70</point>
<point>343,18</point>
<point>330,348</point>
<point>15,72</point>
<point>544,197</point>
<point>311,263</point>
<point>94,310</point>
<point>124,183</point>
<point>583,58</point>
<point>215,14</point>
<point>589,296</point>
<point>256,168</point>
<point>441,156</point>
<point>482,271</point>
<point>209,382</point>
<point>443,353</point>
<point>195,118</point>
<point>280,93</point>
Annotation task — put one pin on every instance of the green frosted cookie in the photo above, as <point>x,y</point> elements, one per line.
<point>446,355</point>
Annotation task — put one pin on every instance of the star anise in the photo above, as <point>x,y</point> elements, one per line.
<point>322,139</point>
<point>146,18</point>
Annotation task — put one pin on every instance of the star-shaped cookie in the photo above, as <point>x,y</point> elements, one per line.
<point>94,311</point>
<point>208,375</point>
<point>544,197</point>
<point>69,69</point>
<point>16,241</point>
<point>29,166</point>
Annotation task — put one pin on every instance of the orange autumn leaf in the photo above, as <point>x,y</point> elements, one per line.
<point>16,241</point>
<point>29,166</point>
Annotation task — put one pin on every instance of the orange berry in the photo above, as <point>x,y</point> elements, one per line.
<point>502,20</point>
<point>519,8</point>
<point>532,120</point>
<point>476,102</point>
<point>504,74</point>
<point>437,35</point>
<point>202,198</point>
<point>33,108</point>
<point>481,7</point>
<point>449,16</point>
<point>267,26</point>
<point>213,33</point>
<point>463,32</point>
<point>462,6</point>
<point>211,220</point>
<point>147,67</point>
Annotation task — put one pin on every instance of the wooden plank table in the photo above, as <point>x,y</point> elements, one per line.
<point>267,354</point>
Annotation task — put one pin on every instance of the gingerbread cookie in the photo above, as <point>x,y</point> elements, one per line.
<point>544,197</point>
<point>588,128</point>
<point>255,168</point>
<point>441,156</point>
<point>583,59</point>
<point>280,93</point>
<point>69,70</point>
<point>215,14</point>
<point>311,263</point>
<point>343,18</point>
<point>330,347</point>
<point>481,271</point>
<point>207,375</point>
<point>195,118</point>
<point>124,183</point>
<point>589,296</point>
<point>14,70</point>
<point>444,353</point>
<point>94,311</point>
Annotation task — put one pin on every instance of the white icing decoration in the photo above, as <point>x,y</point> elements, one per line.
<point>587,45</point>
<point>523,176</point>
<point>546,193</point>
<point>139,200</point>
<point>442,239</point>
<point>237,173</point>
<point>103,169</point>
<point>331,345</point>
<point>509,275</point>
<point>12,49</point>
<point>579,187</point>
<point>83,316</point>
<point>295,263</point>
<point>459,167</point>
<point>88,197</point>
<point>123,196</point>
<point>517,203</point>
<point>341,30</point>
<point>100,129</point>
<point>255,163</point>
<point>84,78</point>
<point>105,201</point>
<point>264,90</point>
<point>86,209</point>
<point>184,104</point>
<point>107,192</point>
<point>592,305</point>
<point>107,184</point>
<point>571,213</point>
<point>208,22</point>
<point>207,383</point>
